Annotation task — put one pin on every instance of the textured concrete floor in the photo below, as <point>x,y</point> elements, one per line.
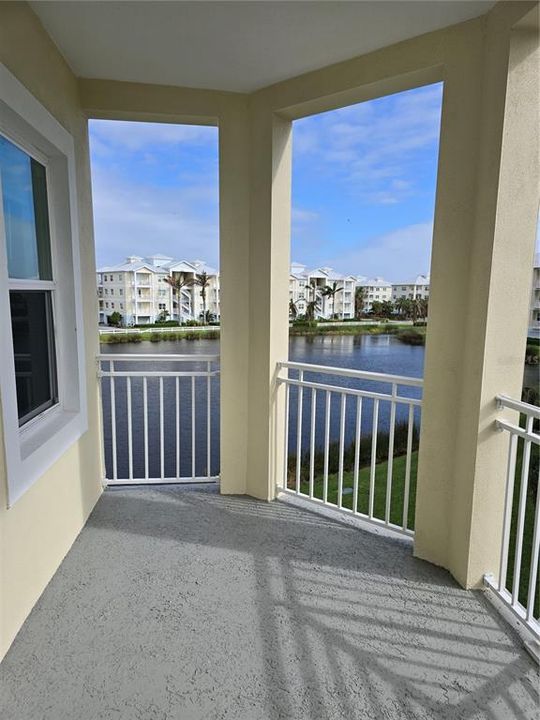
<point>181,604</point>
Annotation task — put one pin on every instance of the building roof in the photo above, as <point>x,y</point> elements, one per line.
<point>374,282</point>
<point>420,280</point>
<point>163,266</point>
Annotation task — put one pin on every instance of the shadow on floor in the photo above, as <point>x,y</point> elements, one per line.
<point>181,603</point>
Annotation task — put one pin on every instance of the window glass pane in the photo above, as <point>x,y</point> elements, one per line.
<point>33,345</point>
<point>26,217</point>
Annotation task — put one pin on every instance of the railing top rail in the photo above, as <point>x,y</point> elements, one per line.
<point>141,357</point>
<point>346,372</point>
<point>352,391</point>
<point>520,432</point>
<point>519,405</point>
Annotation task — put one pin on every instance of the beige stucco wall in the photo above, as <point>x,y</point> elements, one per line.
<point>37,532</point>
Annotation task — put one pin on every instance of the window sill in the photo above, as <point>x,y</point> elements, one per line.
<point>41,445</point>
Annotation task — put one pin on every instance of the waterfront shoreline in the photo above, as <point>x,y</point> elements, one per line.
<point>136,335</point>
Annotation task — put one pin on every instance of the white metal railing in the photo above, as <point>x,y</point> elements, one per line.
<point>516,585</point>
<point>160,414</point>
<point>335,406</point>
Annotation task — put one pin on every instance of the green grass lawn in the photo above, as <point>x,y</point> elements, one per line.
<point>396,508</point>
<point>379,504</point>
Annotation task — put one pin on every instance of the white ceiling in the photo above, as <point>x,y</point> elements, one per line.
<point>237,46</point>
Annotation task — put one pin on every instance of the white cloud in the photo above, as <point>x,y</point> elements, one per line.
<point>108,136</point>
<point>302,216</point>
<point>397,256</point>
<point>373,147</point>
<point>132,218</point>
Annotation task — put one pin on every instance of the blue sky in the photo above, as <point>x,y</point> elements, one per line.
<point>363,187</point>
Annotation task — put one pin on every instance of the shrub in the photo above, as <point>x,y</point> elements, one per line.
<point>155,337</point>
<point>167,323</point>
<point>532,355</point>
<point>411,337</point>
<point>383,445</point>
<point>312,324</point>
<point>115,319</point>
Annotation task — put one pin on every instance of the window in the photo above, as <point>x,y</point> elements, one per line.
<point>121,291</point>
<point>119,278</point>
<point>112,305</point>
<point>27,238</point>
<point>42,375</point>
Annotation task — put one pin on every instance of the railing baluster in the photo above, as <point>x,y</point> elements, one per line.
<point>533,571</point>
<point>161,431</point>
<point>327,411</point>
<point>193,458</point>
<point>169,429</point>
<point>208,427</point>
<point>286,438</point>
<point>145,426</point>
<point>390,456</point>
<point>177,428</point>
<point>113,421</point>
<point>130,430</point>
<point>521,513</point>
<point>373,467</point>
<point>518,520</point>
<point>341,449</point>
<point>357,452</point>
<point>508,504</point>
<point>299,431</point>
<point>407,486</point>
<point>312,442</point>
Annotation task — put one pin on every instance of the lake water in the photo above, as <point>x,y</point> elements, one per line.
<point>376,353</point>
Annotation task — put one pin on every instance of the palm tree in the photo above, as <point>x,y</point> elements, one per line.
<point>330,292</point>
<point>293,310</point>
<point>359,298</point>
<point>416,309</point>
<point>403,306</point>
<point>203,280</point>
<point>312,308</point>
<point>387,308</point>
<point>376,308</point>
<point>177,283</point>
<point>423,307</point>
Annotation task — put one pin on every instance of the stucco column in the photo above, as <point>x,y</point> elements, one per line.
<point>481,273</point>
<point>234,183</point>
<point>270,202</point>
<point>255,180</point>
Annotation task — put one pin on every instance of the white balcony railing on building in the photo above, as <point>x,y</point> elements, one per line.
<point>517,580</point>
<point>351,439</point>
<point>160,417</point>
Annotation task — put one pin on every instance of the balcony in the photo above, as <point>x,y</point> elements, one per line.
<point>350,440</point>
<point>179,602</point>
<point>175,601</point>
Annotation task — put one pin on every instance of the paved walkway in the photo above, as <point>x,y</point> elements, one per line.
<point>180,604</point>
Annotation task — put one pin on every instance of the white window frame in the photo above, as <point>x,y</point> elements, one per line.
<point>32,449</point>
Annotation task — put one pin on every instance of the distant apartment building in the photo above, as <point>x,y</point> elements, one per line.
<point>412,290</point>
<point>137,289</point>
<point>333,292</point>
<point>376,289</point>
<point>534,310</point>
